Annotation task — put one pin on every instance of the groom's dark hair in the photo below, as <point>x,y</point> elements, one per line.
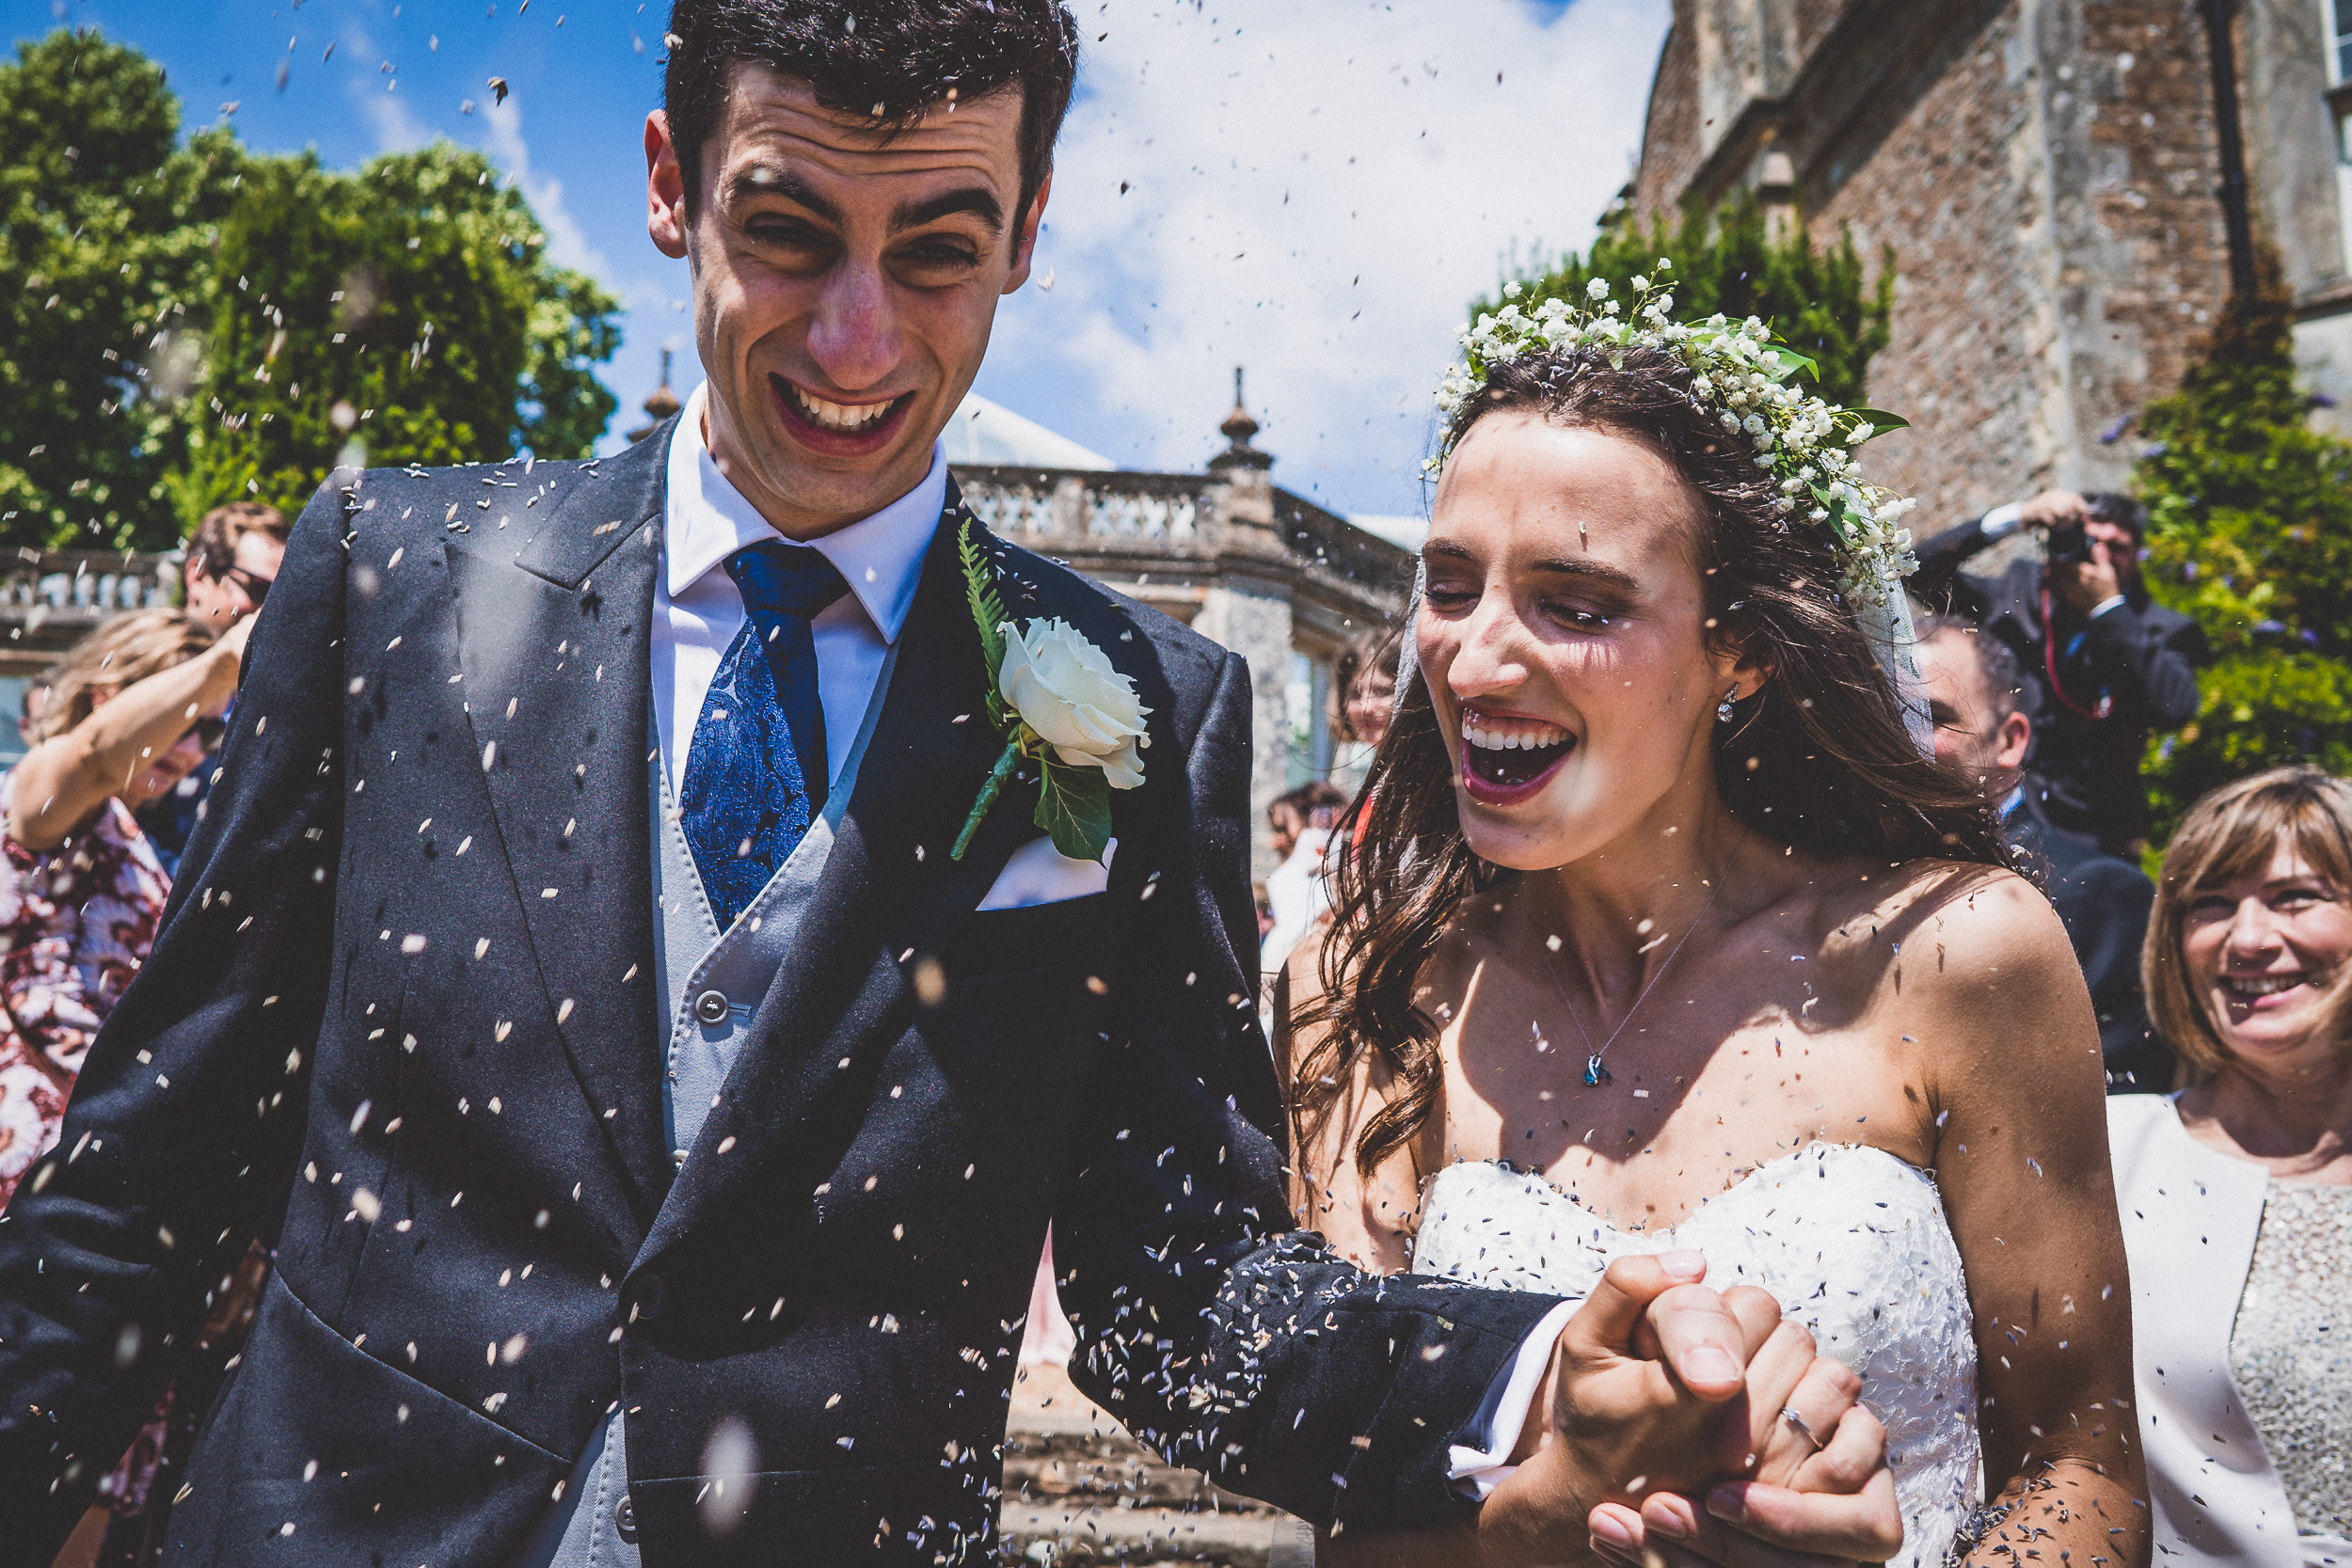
<point>891,59</point>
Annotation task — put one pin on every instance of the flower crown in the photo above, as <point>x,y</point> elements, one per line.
<point>1740,377</point>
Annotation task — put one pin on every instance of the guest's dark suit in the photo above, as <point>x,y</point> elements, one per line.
<point>2105,903</point>
<point>402,1020</point>
<point>2140,657</point>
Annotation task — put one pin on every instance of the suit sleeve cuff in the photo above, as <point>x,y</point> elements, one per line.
<point>2114,601</point>
<point>2002,521</point>
<point>1480,1455</point>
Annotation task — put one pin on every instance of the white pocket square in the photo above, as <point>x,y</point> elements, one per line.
<point>1040,874</point>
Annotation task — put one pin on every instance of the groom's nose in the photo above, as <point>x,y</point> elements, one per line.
<point>855,336</point>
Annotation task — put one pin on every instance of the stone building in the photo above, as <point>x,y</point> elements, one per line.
<point>2050,175</point>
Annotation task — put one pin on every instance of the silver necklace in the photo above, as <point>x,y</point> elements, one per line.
<point>1596,1067</point>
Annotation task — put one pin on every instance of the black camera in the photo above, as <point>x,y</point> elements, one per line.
<point>2066,543</point>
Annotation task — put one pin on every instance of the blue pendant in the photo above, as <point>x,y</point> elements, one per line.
<point>1596,1072</point>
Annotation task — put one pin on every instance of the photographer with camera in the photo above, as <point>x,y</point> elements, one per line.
<point>2103,664</point>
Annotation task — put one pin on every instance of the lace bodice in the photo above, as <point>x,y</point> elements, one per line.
<point>1851,1241</point>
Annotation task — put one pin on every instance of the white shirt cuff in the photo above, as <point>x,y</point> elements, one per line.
<point>2002,521</point>
<point>2104,605</point>
<point>1480,1451</point>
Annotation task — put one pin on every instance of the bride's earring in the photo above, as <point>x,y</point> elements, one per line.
<point>1723,709</point>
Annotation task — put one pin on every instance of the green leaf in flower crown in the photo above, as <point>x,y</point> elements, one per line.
<point>1839,523</point>
<point>1878,419</point>
<point>1787,362</point>
<point>1074,806</point>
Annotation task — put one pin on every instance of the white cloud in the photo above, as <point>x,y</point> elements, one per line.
<point>1316,193</point>
<point>396,126</point>
<point>567,246</point>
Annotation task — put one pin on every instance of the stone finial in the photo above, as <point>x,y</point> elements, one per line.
<point>1237,429</point>
<point>660,406</point>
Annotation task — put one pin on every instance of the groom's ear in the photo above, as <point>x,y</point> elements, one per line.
<point>1024,244</point>
<point>666,217</point>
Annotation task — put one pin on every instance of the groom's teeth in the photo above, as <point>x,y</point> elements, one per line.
<point>847,419</point>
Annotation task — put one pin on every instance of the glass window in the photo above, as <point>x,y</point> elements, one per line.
<point>2340,40</point>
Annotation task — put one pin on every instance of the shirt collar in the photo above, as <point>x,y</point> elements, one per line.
<point>880,557</point>
<point>2007,808</point>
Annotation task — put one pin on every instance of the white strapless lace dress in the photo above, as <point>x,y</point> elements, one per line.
<point>1849,1239</point>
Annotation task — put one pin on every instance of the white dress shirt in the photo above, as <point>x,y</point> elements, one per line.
<point>697,609</point>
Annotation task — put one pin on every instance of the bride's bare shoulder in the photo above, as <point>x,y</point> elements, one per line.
<point>1961,954</point>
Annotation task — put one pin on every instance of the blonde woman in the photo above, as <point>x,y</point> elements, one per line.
<point>81,890</point>
<point>2236,1192</point>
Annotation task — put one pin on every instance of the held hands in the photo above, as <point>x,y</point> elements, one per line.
<point>1658,1387</point>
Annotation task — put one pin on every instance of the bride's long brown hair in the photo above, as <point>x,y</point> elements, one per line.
<point>1818,759</point>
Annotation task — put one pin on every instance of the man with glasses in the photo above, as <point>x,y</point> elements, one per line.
<point>1973,682</point>
<point>231,561</point>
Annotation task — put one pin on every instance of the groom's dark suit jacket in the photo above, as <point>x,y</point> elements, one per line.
<point>401,1022</point>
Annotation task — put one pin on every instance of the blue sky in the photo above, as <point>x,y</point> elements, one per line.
<point>1314,188</point>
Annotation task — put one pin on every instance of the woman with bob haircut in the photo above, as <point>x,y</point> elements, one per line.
<point>2236,1192</point>
<point>1666,938</point>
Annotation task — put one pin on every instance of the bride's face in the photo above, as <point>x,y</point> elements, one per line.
<point>1563,638</point>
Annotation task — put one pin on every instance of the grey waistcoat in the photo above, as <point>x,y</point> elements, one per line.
<point>712,984</point>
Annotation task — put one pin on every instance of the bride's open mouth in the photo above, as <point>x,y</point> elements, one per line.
<point>1507,758</point>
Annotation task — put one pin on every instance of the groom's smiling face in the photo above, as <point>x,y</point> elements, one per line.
<point>844,282</point>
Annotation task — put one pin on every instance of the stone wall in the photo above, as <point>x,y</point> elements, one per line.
<point>2044,170</point>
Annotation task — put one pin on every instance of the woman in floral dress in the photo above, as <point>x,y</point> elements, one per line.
<point>81,890</point>
<point>129,712</point>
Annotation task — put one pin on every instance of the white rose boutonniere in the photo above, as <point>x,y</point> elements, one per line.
<point>1059,703</point>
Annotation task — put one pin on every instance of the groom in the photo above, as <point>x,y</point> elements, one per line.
<point>656,1122</point>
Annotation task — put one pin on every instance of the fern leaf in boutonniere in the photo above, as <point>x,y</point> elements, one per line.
<point>1060,703</point>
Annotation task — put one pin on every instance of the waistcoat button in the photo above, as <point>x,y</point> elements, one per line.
<point>649,1295</point>
<point>712,1007</point>
<point>625,1519</point>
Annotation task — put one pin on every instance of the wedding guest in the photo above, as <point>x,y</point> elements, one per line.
<point>232,559</point>
<point>1973,685</point>
<point>81,892</point>
<point>29,706</point>
<point>1302,821</point>
<point>2236,1193</point>
<point>1363,684</point>
<point>82,889</point>
<point>2104,663</point>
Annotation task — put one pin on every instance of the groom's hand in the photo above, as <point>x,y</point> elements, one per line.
<point>1646,1388</point>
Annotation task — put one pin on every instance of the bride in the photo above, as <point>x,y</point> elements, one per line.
<point>1660,933</point>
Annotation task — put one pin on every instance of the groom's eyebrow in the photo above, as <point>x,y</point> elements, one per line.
<point>760,180</point>
<point>976,199</point>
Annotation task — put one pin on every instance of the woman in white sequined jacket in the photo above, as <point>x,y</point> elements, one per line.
<point>2236,1192</point>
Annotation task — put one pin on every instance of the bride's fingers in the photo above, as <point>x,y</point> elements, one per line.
<point>1856,1451</point>
<point>1819,1397</point>
<point>1865,1526</point>
<point>1676,1534</point>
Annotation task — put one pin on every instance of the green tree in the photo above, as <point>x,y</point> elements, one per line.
<point>191,324</point>
<point>400,315</point>
<point>108,228</point>
<point>1817,301</point>
<point>2250,533</point>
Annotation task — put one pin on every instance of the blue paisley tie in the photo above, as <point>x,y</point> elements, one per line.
<point>755,771</point>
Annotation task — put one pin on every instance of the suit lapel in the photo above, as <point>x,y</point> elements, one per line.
<point>888,887</point>
<point>552,645</point>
